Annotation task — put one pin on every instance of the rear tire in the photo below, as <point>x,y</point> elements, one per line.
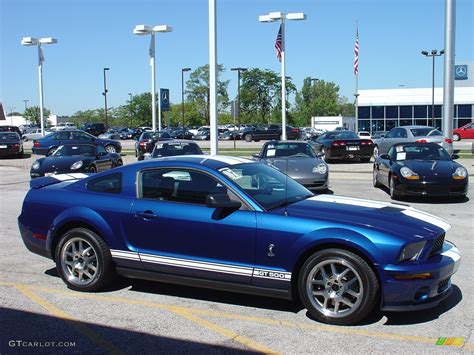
<point>248,137</point>
<point>119,163</point>
<point>84,261</point>
<point>92,169</point>
<point>337,286</point>
<point>110,149</point>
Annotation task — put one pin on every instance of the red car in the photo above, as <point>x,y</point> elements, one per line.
<point>464,132</point>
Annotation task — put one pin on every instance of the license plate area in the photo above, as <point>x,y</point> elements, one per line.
<point>352,147</point>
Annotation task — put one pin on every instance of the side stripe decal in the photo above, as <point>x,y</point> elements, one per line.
<point>203,265</point>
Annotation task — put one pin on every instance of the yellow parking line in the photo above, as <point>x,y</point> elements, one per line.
<point>260,320</point>
<point>223,331</point>
<point>58,313</point>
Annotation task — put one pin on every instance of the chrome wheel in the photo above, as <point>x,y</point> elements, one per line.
<point>376,152</point>
<point>79,261</point>
<point>374,178</point>
<point>110,149</point>
<point>335,288</point>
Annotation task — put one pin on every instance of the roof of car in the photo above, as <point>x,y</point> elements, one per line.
<point>414,126</point>
<point>214,162</point>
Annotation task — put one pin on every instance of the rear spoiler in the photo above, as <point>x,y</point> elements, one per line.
<point>55,179</point>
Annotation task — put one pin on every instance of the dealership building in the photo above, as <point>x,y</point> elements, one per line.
<point>383,109</point>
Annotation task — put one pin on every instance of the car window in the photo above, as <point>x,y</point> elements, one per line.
<point>100,149</point>
<point>173,149</point>
<point>62,136</point>
<point>109,184</point>
<point>435,133</point>
<point>289,150</point>
<point>81,136</point>
<point>176,185</point>
<point>267,186</point>
<point>421,132</point>
<point>421,152</point>
<point>391,133</point>
<point>9,136</point>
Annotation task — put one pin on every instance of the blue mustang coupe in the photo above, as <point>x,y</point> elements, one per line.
<point>239,225</point>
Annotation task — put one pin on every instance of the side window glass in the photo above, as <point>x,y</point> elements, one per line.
<point>62,136</point>
<point>179,186</point>
<point>100,149</point>
<point>109,184</point>
<point>403,133</point>
<point>391,134</point>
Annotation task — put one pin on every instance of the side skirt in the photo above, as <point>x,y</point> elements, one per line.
<point>215,285</point>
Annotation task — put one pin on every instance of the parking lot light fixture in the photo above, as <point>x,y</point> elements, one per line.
<point>282,17</point>
<point>141,30</point>
<point>38,42</point>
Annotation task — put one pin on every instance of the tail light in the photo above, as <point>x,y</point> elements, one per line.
<point>295,130</point>
<point>448,140</point>
<point>37,144</point>
<point>16,145</point>
<point>142,143</point>
<point>421,141</point>
<point>367,142</point>
<point>338,143</point>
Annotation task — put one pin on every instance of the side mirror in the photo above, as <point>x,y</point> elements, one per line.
<point>222,201</point>
<point>385,156</point>
<point>256,155</point>
<point>146,156</point>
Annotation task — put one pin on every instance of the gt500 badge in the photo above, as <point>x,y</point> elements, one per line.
<point>284,276</point>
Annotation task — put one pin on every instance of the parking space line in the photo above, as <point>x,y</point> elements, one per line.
<point>249,343</point>
<point>259,320</point>
<point>76,324</point>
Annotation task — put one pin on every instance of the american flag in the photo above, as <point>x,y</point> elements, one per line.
<point>278,44</point>
<point>356,54</point>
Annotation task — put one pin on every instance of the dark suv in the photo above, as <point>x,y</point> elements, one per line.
<point>272,131</point>
<point>95,129</point>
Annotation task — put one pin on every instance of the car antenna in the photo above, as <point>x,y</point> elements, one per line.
<point>286,188</point>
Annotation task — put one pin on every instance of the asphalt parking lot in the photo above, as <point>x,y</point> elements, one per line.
<point>40,314</point>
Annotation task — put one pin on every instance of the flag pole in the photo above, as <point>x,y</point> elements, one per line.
<point>356,73</point>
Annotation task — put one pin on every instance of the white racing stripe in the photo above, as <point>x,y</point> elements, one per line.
<point>453,253</point>
<point>406,210</point>
<point>73,176</point>
<point>227,160</point>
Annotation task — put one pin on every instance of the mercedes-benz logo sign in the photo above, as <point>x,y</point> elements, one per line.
<point>164,96</point>
<point>461,71</point>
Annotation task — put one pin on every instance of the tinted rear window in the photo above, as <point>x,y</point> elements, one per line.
<point>9,136</point>
<point>109,184</point>
<point>423,132</point>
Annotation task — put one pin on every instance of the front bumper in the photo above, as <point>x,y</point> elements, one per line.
<point>428,188</point>
<point>314,183</point>
<point>417,294</point>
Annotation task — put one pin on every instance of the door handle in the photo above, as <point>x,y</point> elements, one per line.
<point>145,214</point>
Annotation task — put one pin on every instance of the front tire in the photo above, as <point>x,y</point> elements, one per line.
<point>83,260</point>
<point>337,287</point>
<point>391,188</point>
<point>376,152</point>
<point>248,137</point>
<point>375,180</point>
<point>92,169</point>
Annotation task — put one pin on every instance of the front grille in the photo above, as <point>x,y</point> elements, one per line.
<point>443,285</point>
<point>437,245</point>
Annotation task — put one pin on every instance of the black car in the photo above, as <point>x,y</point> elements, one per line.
<point>298,160</point>
<point>181,133</point>
<point>173,148</point>
<point>343,145</point>
<point>272,131</point>
<point>420,169</point>
<point>11,144</point>
<point>229,135</point>
<point>76,158</point>
<point>94,128</point>
<point>48,144</point>
<point>146,142</point>
<point>11,129</point>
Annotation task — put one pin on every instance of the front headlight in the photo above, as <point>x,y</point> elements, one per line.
<point>412,251</point>
<point>321,168</point>
<point>35,165</point>
<point>460,173</point>
<point>409,174</point>
<point>77,165</point>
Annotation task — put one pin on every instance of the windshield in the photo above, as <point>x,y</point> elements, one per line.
<point>421,152</point>
<point>173,149</point>
<point>266,185</point>
<point>73,150</point>
<point>279,150</point>
<point>341,135</point>
<point>9,136</point>
<point>424,132</point>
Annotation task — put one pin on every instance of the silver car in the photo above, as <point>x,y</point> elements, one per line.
<point>410,134</point>
<point>298,160</point>
<point>34,134</point>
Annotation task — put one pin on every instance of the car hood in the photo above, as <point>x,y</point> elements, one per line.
<point>431,169</point>
<point>295,166</point>
<point>55,163</point>
<point>395,219</point>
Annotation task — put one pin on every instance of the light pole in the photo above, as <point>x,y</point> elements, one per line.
<point>434,53</point>
<point>238,70</point>
<point>105,97</point>
<point>26,106</point>
<point>142,30</point>
<point>130,104</point>
<point>11,108</point>
<point>280,16</point>
<point>31,41</point>
<point>182,95</point>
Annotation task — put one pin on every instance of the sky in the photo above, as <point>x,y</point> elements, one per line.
<point>93,34</point>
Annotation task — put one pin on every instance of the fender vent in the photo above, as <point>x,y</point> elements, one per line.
<point>437,245</point>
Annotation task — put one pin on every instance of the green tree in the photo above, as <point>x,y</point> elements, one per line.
<point>197,91</point>
<point>260,95</point>
<point>319,99</point>
<point>32,114</point>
